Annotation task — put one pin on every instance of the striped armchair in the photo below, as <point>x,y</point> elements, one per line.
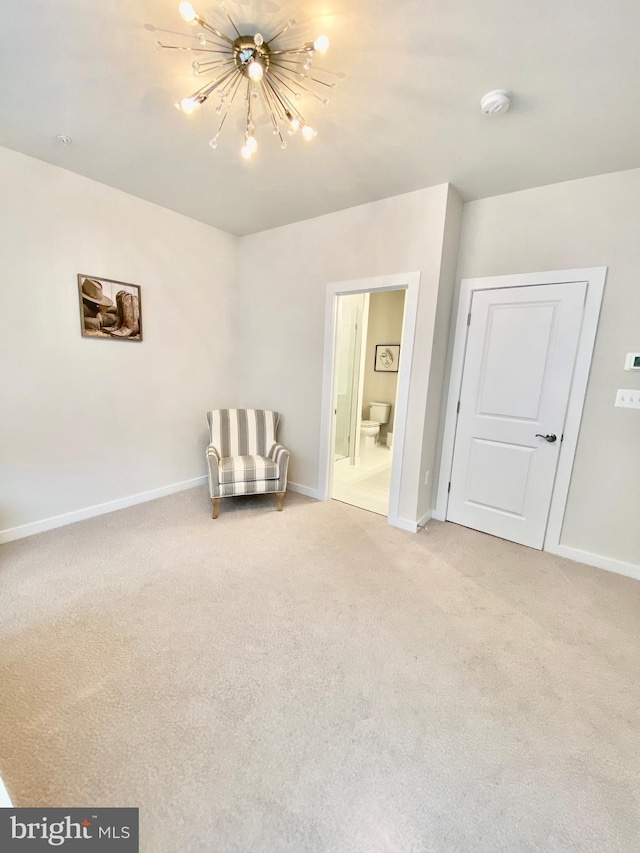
<point>243,455</point>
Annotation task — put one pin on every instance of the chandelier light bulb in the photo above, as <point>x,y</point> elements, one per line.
<point>188,105</point>
<point>202,39</point>
<point>308,132</point>
<point>256,71</point>
<point>246,152</point>
<point>258,39</point>
<point>321,44</point>
<point>188,12</point>
<point>295,124</point>
<point>251,144</point>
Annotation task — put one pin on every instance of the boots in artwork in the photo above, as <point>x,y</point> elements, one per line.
<point>128,323</point>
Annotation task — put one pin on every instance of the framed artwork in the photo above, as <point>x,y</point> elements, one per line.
<point>387,358</point>
<point>109,309</point>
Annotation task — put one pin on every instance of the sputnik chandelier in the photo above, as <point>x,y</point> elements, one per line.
<point>258,69</point>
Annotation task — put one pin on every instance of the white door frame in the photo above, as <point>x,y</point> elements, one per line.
<point>409,282</point>
<point>595,279</point>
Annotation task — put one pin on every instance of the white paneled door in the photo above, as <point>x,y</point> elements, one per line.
<point>520,356</point>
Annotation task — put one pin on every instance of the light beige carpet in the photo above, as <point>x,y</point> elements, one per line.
<point>314,681</point>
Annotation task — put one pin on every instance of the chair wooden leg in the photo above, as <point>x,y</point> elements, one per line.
<point>279,498</point>
<point>216,506</point>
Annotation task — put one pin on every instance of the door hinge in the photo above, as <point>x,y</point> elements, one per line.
<point>469,318</point>
<point>458,409</point>
<point>449,487</point>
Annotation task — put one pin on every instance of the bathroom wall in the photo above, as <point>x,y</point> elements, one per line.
<point>386,313</point>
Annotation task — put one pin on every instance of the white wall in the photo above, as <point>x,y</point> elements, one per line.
<point>386,313</point>
<point>283,278</point>
<point>433,430</point>
<point>585,223</point>
<point>86,421</point>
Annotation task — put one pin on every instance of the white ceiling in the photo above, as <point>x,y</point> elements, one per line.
<point>406,116</point>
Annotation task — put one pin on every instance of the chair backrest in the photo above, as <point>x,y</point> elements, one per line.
<point>242,432</point>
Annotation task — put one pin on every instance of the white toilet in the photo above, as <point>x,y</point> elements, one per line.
<point>370,429</point>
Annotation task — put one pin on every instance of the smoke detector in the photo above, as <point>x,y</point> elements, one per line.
<point>495,102</point>
<point>64,140</point>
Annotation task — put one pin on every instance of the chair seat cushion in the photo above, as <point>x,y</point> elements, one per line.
<point>245,469</point>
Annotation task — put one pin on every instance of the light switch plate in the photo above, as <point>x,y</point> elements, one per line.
<point>627,398</point>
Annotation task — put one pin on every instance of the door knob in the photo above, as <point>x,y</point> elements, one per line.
<point>550,438</point>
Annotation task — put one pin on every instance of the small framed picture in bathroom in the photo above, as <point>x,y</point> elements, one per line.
<point>387,358</point>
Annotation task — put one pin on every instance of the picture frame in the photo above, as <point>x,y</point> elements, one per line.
<point>109,309</point>
<point>387,358</point>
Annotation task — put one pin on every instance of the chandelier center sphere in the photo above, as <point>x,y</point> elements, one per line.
<point>246,51</point>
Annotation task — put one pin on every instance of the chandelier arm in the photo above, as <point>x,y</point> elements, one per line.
<point>214,63</point>
<point>280,111</point>
<point>290,62</point>
<point>226,112</point>
<point>321,82</point>
<point>248,105</point>
<point>204,92</point>
<point>301,65</point>
<point>277,113</point>
<point>272,104</point>
<point>265,95</point>
<point>284,83</point>
<point>213,30</point>
<point>290,50</point>
<point>286,103</point>
<point>299,85</point>
<point>231,21</point>
<point>222,42</point>
<point>281,33</point>
<point>228,85</point>
<point>190,49</point>
<point>235,91</point>
<point>279,100</point>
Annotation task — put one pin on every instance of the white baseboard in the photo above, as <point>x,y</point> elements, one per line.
<point>12,533</point>
<point>304,490</point>
<point>609,564</point>
<point>403,524</point>
<point>631,570</point>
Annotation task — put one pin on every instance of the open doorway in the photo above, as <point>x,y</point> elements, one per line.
<point>401,467</point>
<point>366,369</point>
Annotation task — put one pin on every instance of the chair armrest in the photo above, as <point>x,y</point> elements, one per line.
<point>279,454</point>
<point>213,460</point>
